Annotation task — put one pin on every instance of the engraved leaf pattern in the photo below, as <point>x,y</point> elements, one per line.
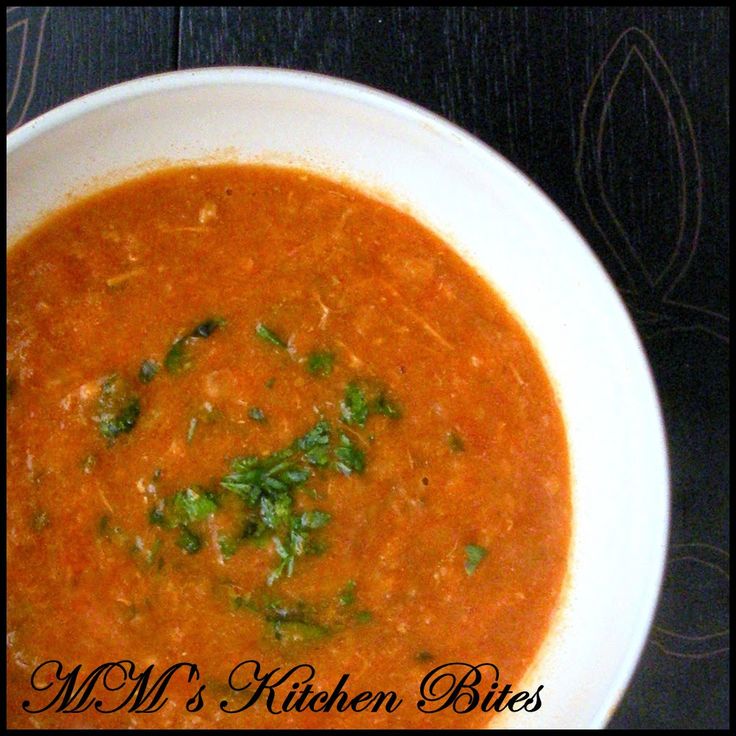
<point>696,575</point>
<point>24,37</point>
<point>647,265</point>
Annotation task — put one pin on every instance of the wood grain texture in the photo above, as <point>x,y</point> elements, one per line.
<point>621,115</point>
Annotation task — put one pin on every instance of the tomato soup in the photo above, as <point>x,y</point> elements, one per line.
<point>255,415</point>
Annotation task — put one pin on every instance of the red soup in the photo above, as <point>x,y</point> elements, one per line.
<point>255,416</point>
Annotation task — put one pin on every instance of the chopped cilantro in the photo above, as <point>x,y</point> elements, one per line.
<point>147,371</point>
<point>228,546</point>
<point>118,408</point>
<point>388,407</point>
<point>207,328</point>
<point>294,544</point>
<point>455,442</point>
<point>354,407</point>
<point>186,506</point>
<point>347,594</point>
<point>256,414</point>
<point>269,336</point>
<point>276,509</point>
<point>253,529</point>
<point>267,484</point>
<point>295,632</point>
<point>251,476</point>
<point>193,504</point>
<point>315,444</point>
<point>189,541</point>
<point>473,556</point>
<point>156,516</point>
<point>349,458</point>
<point>314,519</point>
<point>40,521</point>
<point>363,617</point>
<point>320,363</point>
<point>177,358</point>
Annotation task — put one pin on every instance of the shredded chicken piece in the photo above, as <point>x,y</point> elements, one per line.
<point>123,277</point>
<point>418,318</point>
<point>325,311</point>
<point>184,229</point>
<point>354,359</point>
<point>207,213</point>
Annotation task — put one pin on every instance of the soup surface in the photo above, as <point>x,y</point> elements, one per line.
<point>255,414</point>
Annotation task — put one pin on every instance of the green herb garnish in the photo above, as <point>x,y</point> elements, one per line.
<point>189,541</point>
<point>147,371</point>
<point>347,594</point>
<point>296,632</point>
<point>187,506</point>
<point>473,556</point>
<point>455,442</point>
<point>267,485</point>
<point>350,459</point>
<point>178,359</point>
<point>320,363</point>
<point>314,444</point>
<point>386,406</point>
<point>269,335</point>
<point>118,408</point>
<point>354,407</point>
<point>40,521</point>
<point>192,504</point>
<point>256,414</point>
<point>228,546</point>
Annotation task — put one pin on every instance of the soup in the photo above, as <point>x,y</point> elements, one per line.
<point>255,415</point>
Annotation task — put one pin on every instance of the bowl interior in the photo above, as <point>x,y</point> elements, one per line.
<point>502,224</point>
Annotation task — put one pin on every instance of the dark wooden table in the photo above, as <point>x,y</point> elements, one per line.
<point>620,115</point>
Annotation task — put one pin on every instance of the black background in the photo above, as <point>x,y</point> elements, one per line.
<point>620,114</point>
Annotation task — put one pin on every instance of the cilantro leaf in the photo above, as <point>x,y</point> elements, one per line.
<point>455,441</point>
<point>189,541</point>
<point>473,556</point>
<point>347,594</point>
<point>354,407</point>
<point>269,335</point>
<point>386,406</point>
<point>320,363</point>
<point>193,504</point>
<point>148,370</point>
<point>256,414</point>
<point>350,459</point>
<point>177,358</point>
<point>315,443</point>
<point>118,408</point>
<point>314,519</point>
<point>228,546</point>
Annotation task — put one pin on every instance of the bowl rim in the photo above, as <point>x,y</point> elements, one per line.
<point>416,114</point>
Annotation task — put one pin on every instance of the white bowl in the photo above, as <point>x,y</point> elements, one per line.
<point>501,223</point>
